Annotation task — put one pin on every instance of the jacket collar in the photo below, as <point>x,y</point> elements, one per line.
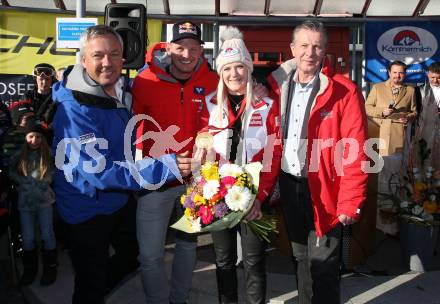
<point>87,92</point>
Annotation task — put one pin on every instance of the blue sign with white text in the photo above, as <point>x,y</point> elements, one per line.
<point>72,31</point>
<point>414,43</point>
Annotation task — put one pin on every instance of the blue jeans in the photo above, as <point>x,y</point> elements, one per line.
<point>153,215</point>
<point>45,219</point>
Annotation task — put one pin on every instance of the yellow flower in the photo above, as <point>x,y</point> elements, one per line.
<point>240,183</point>
<point>188,213</point>
<point>210,171</point>
<point>199,200</point>
<point>182,199</point>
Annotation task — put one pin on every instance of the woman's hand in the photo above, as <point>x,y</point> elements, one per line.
<point>255,212</point>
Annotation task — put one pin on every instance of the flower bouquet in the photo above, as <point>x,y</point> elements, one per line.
<point>418,197</point>
<point>219,198</point>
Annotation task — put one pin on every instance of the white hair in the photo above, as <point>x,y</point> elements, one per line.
<point>97,31</point>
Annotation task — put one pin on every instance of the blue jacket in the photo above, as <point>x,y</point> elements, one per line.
<point>93,175</point>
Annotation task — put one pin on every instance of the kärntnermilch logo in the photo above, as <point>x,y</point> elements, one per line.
<point>409,44</point>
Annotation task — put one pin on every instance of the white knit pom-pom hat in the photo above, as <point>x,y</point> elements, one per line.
<point>233,49</point>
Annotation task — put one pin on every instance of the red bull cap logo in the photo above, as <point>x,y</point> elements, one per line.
<point>187,28</point>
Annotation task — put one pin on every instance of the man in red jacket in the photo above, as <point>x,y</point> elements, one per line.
<point>170,90</point>
<point>322,185</point>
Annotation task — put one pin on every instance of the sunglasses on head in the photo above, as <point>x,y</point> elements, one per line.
<point>44,72</point>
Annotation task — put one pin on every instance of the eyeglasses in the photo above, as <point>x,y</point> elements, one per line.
<point>44,72</point>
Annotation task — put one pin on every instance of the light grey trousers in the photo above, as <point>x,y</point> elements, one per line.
<point>153,214</point>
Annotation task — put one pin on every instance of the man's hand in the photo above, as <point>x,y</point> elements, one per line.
<point>184,163</point>
<point>260,91</point>
<point>403,120</point>
<point>255,212</point>
<point>387,111</point>
<point>346,220</point>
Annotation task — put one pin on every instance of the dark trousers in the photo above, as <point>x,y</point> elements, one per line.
<point>318,260</point>
<point>96,273</point>
<point>225,246</point>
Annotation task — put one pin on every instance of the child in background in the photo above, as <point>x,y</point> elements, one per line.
<point>32,169</point>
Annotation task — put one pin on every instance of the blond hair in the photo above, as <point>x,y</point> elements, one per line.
<point>222,94</point>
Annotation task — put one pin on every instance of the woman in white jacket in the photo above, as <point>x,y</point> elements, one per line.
<point>244,130</point>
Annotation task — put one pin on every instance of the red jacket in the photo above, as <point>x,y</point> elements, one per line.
<point>338,113</point>
<point>261,137</point>
<point>157,94</point>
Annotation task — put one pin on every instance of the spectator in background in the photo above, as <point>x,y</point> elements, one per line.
<point>60,72</point>
<point>428,124</point>
<point>390,106</point>
<point>32,170</point>
<point>5,124</point>
<point>40,96</point>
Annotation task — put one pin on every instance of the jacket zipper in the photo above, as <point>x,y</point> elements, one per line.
<point>181,94</point>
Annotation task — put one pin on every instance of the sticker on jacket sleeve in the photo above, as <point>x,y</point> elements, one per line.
<point>326,114</point>
<point>256,120</point>
<point>87,138</point>
<point>199,90</point>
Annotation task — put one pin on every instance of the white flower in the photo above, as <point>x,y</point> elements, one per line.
<point>238,198</point>
<point>417,210</point>
<point>210,188</point>
<point>230,170</point>
<point>195,225</point>
<point>404,204</point>
<point>426,216</point>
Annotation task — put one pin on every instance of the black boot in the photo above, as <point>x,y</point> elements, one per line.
<point>50,267</point>
<point>30,267</point>
<point>227,285</point>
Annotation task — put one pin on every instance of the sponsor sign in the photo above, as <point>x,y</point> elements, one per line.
<point>14,86</point>
<point>414,43</point>
<point>28,38</point>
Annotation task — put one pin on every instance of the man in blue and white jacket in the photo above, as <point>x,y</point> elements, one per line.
<point>95,167</point>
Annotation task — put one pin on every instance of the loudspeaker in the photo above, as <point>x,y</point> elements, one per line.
<point>129,20</point>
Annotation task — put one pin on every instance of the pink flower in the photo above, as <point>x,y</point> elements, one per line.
<point>206,215</point>
<point>202,181</point>
<point>226,183</point>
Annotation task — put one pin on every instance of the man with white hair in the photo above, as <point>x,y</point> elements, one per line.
<point>93,111</point>
<point>320,191</point>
